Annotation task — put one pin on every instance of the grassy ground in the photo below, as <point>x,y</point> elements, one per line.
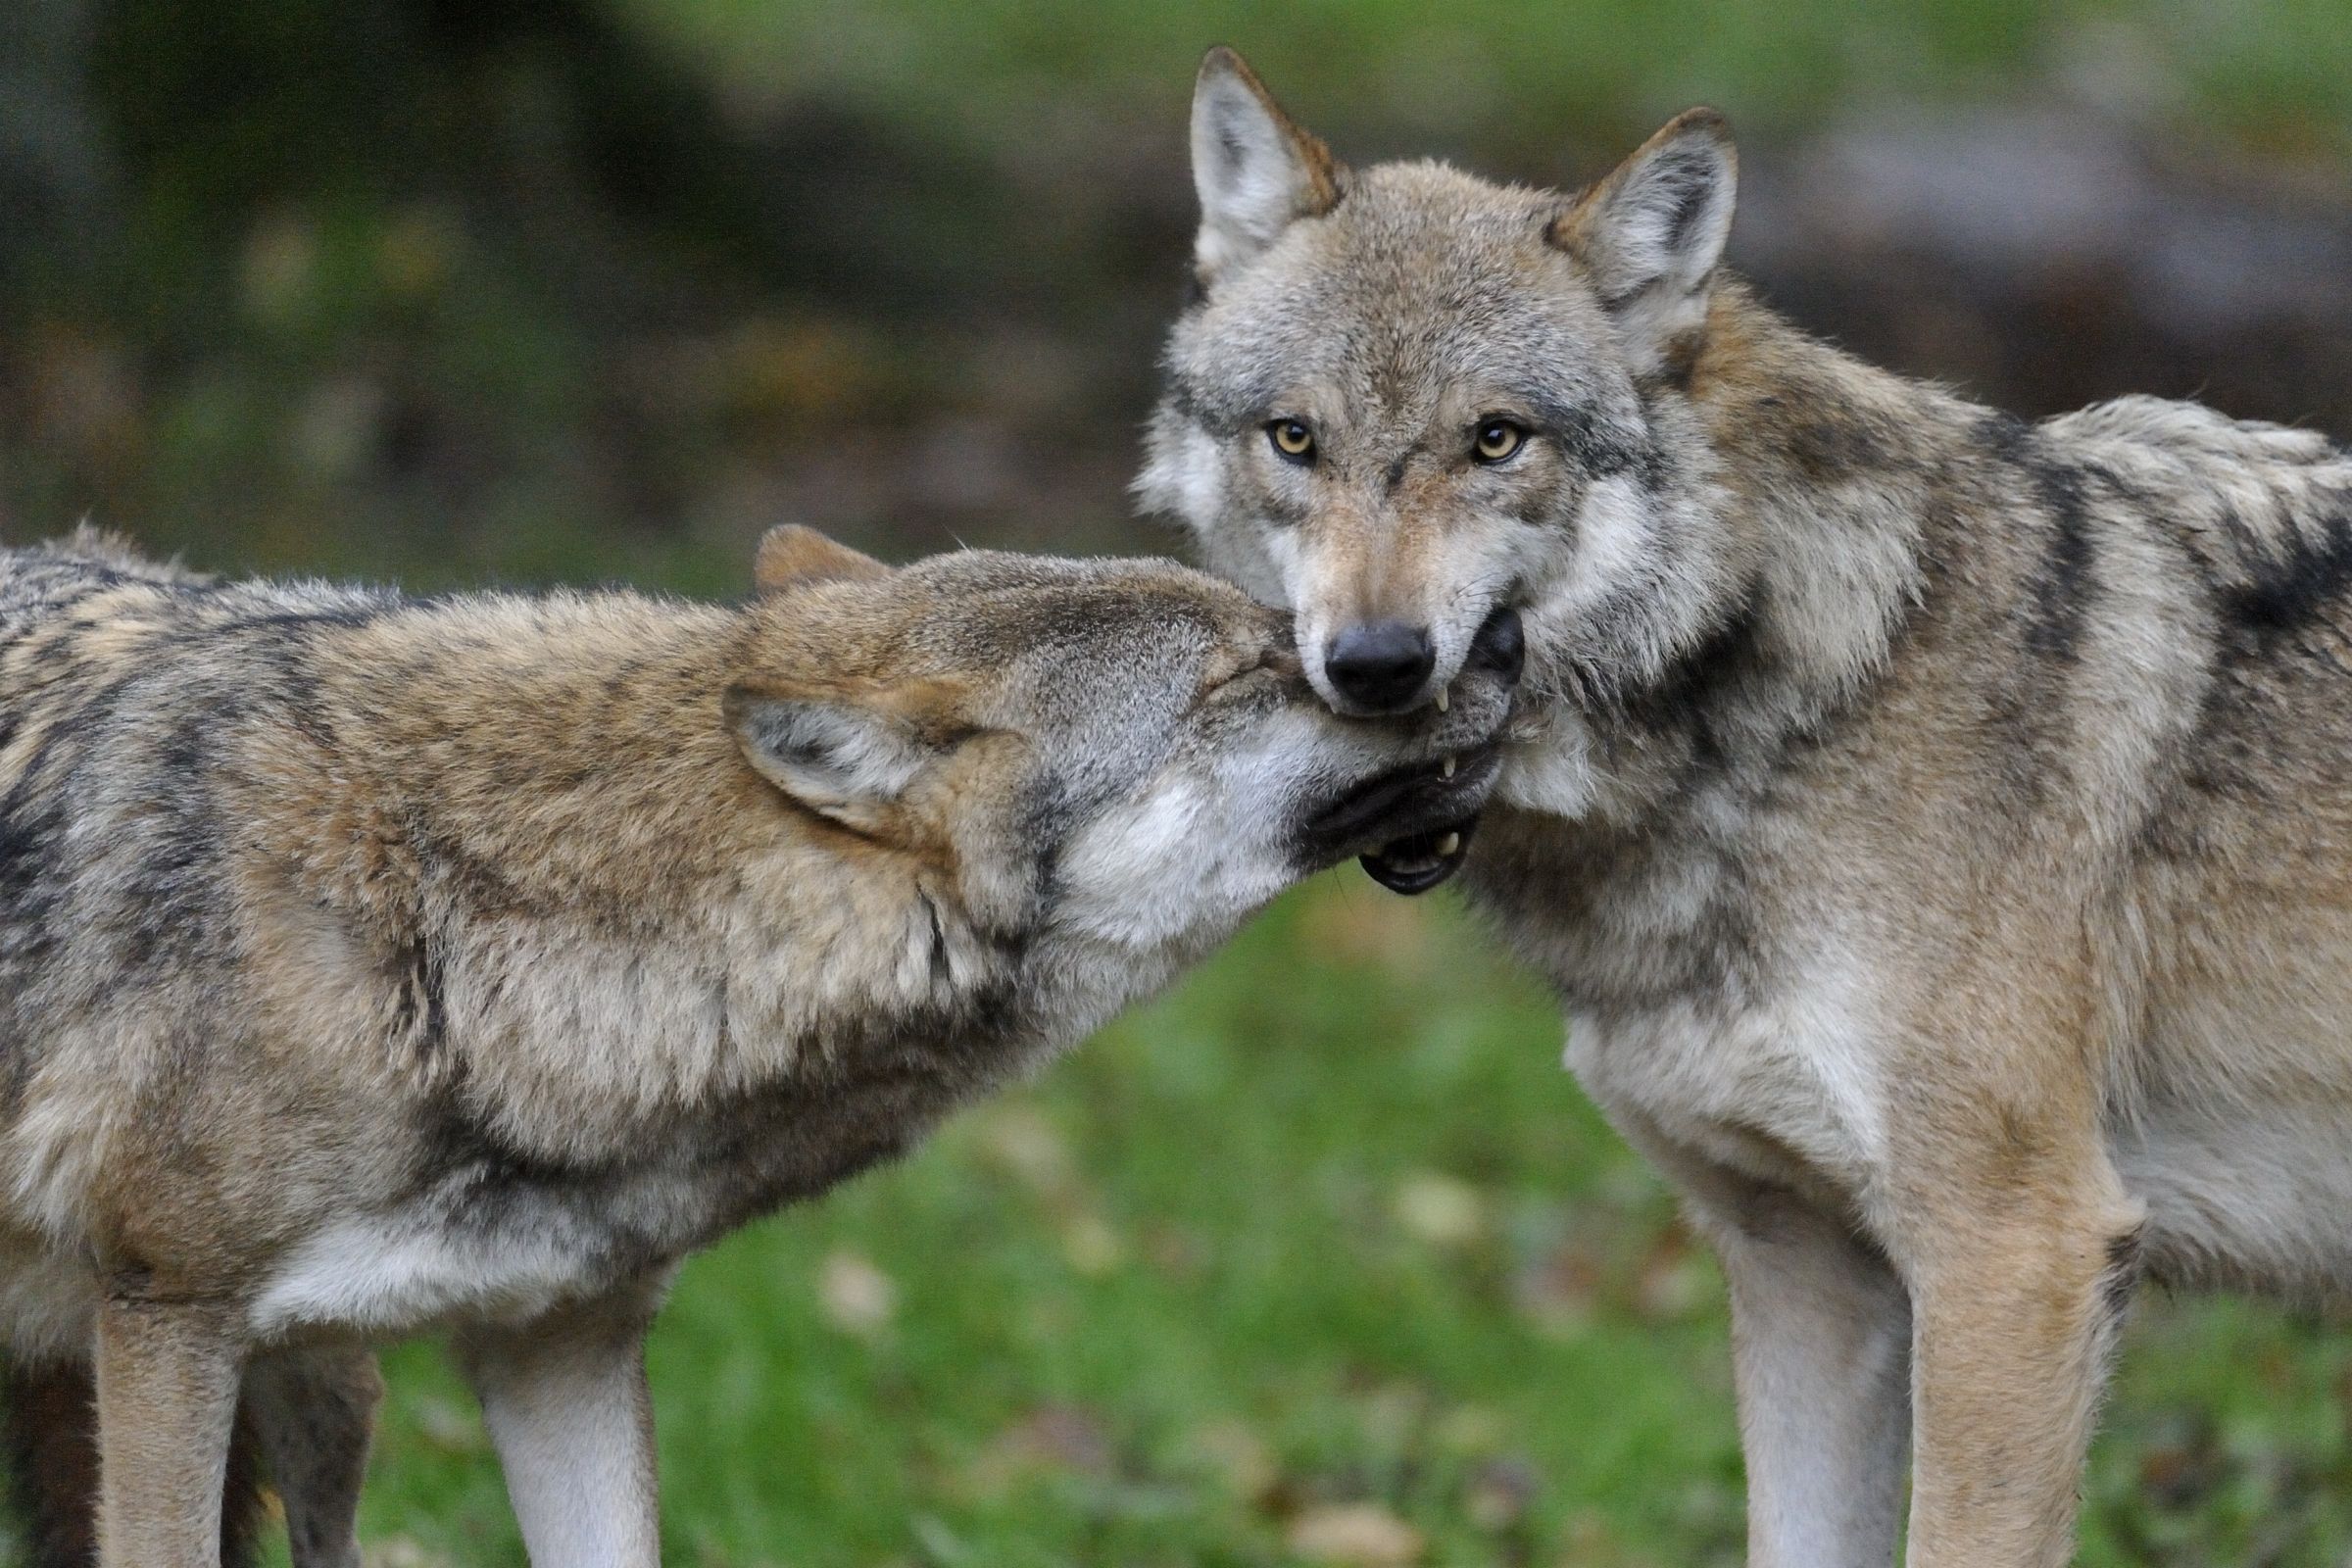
<point>1322,1259</point>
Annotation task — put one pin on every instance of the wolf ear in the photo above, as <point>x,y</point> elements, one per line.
<point>1651,232</point>
<point>1257,171</point>
<point>790,554</point>
<point>842,759</point>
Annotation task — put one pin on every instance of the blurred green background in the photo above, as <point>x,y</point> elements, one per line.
<point>1322,1259</point>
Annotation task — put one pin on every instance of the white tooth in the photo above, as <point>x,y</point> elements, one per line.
<point>1445,769</point>
<point>1441,699</point>
<point>1448,844</point>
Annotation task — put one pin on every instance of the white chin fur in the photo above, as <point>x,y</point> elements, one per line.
<point>1169,870</point>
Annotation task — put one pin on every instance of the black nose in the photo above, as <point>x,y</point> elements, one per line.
<point>1381,665</point>
<point>1500,645</point>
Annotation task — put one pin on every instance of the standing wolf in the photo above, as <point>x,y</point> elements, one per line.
<point>1939,825</point>
<point>370,965</point>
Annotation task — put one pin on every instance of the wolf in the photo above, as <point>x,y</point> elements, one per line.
<point>1934,824</point>
<point>370,965</point>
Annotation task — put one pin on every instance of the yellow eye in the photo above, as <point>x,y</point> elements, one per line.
<point>1293,439</point>
<point>1497,439</point>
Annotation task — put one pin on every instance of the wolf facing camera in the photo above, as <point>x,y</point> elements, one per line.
<point>1935,824</point>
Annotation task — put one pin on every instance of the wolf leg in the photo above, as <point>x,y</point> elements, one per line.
<point>315,1413</point>
<point>569,1413</point>
<point>1821,1354</point>
<point>1820,1351</point>
<point>51,1426</point>
<point>50,1413</point>
<point>2013,1323</point>
<point>167,1379</point>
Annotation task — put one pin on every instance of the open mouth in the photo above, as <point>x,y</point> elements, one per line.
<point>1421,860</point>
<point>1421,818</point>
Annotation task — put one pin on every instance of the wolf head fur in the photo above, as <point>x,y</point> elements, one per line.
<point>1397,313</point>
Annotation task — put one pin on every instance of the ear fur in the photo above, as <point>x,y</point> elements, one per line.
<point>1652,232</point>
<point>842,760</point>
<point>790,554</point>
<point>1255,170</point>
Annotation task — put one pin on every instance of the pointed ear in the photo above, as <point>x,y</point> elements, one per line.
<point>1257,171</point>
<point>840,758</point>
<point>790,554</point>
<point>1651,232</point>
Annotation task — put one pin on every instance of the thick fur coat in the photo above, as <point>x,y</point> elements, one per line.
<point>372,966</point>
<point>1935,824</point>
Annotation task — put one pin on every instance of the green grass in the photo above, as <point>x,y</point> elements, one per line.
<point>1328,1226</point>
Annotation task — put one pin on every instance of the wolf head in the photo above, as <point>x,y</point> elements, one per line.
<point>1126,750</point>
<point>1408,403</point>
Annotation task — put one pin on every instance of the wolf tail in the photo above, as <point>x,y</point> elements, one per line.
<point>49,1439</point>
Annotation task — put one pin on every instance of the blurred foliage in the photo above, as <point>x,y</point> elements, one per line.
<point>1506,78</point>
<point>538,288</point>
<point>1323,1260</point>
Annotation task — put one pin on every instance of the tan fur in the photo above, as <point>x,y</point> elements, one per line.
<point>1934,824</point>
<point>370,966</point>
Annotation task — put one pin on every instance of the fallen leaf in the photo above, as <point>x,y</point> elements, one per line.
<point>1501,1493</point>
<point>856,1297</point>
<point>1440,1209</point>
<point>1054,1438</point>
<point>1362,1535</point>
<point>1236,1456</point>
<point>1019,1139</point>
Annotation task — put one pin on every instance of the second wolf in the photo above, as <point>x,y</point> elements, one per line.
<point>1937,825</point>
<point>370,965</point>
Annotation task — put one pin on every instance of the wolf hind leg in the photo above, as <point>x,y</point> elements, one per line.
<point>49,1437</point>
<point>313,1413</point>
<point>49,1423</point>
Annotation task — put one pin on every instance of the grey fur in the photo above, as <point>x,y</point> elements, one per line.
<point>1934,824</point>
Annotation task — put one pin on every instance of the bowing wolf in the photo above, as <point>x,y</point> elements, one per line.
<point>1935,824</point>
<point>370,965</point>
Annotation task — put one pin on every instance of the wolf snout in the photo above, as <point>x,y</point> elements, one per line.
<point>1384,667</point>
<point>1380,666</point>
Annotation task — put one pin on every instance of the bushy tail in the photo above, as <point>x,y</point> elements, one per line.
<point>49,1439</point>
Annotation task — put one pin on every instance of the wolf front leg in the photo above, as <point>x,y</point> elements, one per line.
<point>315,1413</point>
<point>2021,1246</point>
<point>566,1400</point>
<point>2014,1322</point>
<point>167,1381</point>
<point>1820,1351</point>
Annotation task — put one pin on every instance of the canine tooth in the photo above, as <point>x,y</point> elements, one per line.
<point>1448,844</point>
<point>1445,769</point>
<point>1441,699</point>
